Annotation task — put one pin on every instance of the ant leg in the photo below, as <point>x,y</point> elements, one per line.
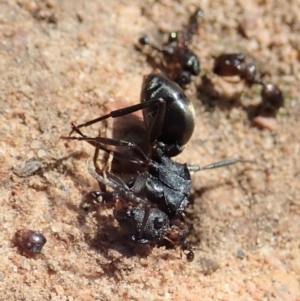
<point>97,194</point>
<point>186,246</point>
<point>193,26</point>
<point>119,187</point>
<point>137,187</point>
<point>194,21</point>
<point>106,197</point>
<point>122,190</point>
<point>97,141</point>
<point>165,51</point>
<point>117,155</point>
<point>107,165</point>
<point>144,222</point>
<point>218,164</point>
<point>188,250</point>
<point>144,40</point>
<point>102,187</point>
<point>118,113</point>
<point>176,235</point>
<point>154,132</point>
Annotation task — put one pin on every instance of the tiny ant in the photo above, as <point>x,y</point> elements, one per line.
<point>179,62</point>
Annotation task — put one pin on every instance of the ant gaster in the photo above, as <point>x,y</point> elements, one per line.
<point>159,195</point>
<point>180,63</point>
<point>237,64</point>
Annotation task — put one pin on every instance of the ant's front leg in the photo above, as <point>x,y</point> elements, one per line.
<point>99,141</point>
<point>117,185</point>
<point>117,113</point>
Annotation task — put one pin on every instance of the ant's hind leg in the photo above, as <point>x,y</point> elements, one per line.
<point>100,141</point>
<point>117,185</point>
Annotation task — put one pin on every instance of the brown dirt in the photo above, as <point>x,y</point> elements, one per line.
<point>73,60</point>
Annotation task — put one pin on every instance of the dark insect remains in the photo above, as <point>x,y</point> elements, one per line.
<point>151,207</point>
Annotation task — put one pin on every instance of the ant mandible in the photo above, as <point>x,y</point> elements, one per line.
<point>180,63</point>
<point>237,64</point>
<point>159,195</point>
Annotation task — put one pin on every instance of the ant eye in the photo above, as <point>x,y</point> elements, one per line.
<point>159,222</point>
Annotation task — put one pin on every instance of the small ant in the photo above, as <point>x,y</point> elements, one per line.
<point>180,63</point>
<point>158,197</point>
<point>237,64</point>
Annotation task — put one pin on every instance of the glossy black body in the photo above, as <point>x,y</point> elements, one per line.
<point>179,119</point>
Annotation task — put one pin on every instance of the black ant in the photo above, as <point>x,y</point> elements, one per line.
<point>156,198</point>
<point>237,64</point>
<point>180,63</point>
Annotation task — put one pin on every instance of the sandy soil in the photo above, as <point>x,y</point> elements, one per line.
<point>65,61</point>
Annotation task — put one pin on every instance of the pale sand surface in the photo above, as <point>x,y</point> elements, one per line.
<point>244,219</point>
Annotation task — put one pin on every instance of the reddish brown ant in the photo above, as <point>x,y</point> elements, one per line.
<point>238,64</point>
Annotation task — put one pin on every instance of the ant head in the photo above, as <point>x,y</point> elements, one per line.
<point>132,220</point>
<point>170,150</point>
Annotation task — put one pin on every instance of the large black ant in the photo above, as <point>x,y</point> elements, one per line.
<point>156,198</point>
<point>180,63</point>
<point>238,64</point>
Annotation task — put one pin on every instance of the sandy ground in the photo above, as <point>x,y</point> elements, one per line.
<point>65,61</point>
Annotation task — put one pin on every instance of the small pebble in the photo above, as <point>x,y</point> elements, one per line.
<point>35,144</point>
<point>265,122</point>
<point>41,153</point>
<point>29,168</point>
